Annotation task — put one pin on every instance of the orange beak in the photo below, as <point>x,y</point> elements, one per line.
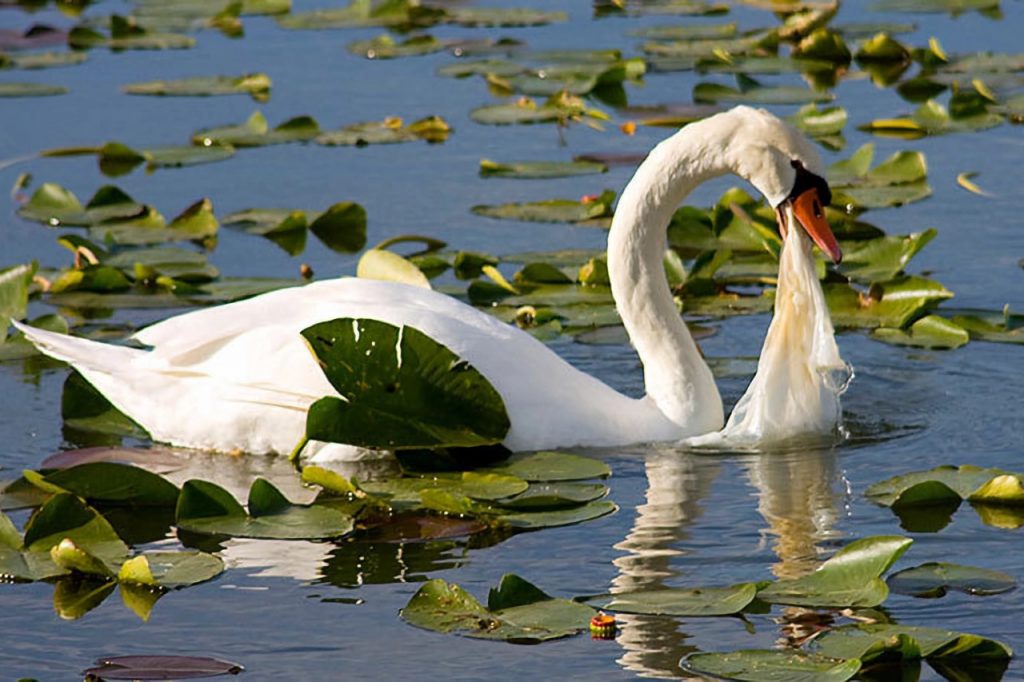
<point>811,214</point>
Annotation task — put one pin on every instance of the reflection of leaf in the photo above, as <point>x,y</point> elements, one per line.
<point>851,577</point>
<point>934,579</point>
<point>517,612</point>
<point>771,664</point>
<point>401,389</point>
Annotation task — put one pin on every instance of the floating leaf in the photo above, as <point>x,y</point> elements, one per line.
<point>160,667</point>
<point>659,7</point>
<point>692,601</point>
<point>495,16</point>
<point>256,133</point>
<point>997,327</point>
<point>554,518</point>
<point>882,258</point>
<point>256,85</point>
<point>126,34</point>
<point>946,483</point>
<point>890,304</point>
<point>560,108</point>
<point>170,570</point>
<point>931,118</point>
<point>900,179</point>
<point>552,466</point>
<point>13,89</point>
<point>517,611</point>
<point>207,508</point>
<point>478,486</point>
<point>389,131</point>
<point>385,46</point>
<point>401,388</point>
<point>757,665</point>
<point>553,210</point>
<point>934,579</point>
<point>14,286</point>
<point>554,496</point>
<point>822,124</point>
<point>871,641</point>
<point>114,484</point>
<point>751,91</point>
<point>931,331</point>
<point>540,169</point>
<point>953,7</point>
<point>360,13</point>
<point>385,265</point>
<point>964,180</point>
<point>851,577</point>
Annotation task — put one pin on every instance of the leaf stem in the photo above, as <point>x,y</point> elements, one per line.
<point>293,456</point>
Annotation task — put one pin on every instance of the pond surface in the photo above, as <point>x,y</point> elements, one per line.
<point>303,610</point>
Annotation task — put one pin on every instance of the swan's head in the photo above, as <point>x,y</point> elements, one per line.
<point>785,167</point>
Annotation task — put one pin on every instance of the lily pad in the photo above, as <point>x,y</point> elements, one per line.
<point>170,570</point>
<point>932,118</point>
<point>478,486</point>
<point>851,577</point>
<point>388,266</point>
<point>589,208</point>
<point>751,91</point>
<point>953,7</point>
<point>890,304</point>
<point>540,169</point>
<point>659,7</point>
<point>111,483</point>
<point>551,467</point>
<point>561,108</point>
<point>516,611</point>
<point>256,85</point>
<point>931,331</point>
<point>389,131</point>
<point>204,507</point>
<point>126,34</point>
<point>160,667</point>
<point>15,89</point>
<point>63,517</point>
<point>548,496</point>
<point>762,665</point>
<point>944,483</point>
<point>934,579</point>
<point>871,641</point>
<point>255,132</point>
<point>997,327</point>
<point>692,601</point>
<point>554,518</point>
<point>900,179</point>
<point>883,258</point>
<point>401,389</point>
<point>496,16</point>
<point>385,46</point>
<point>361,14</point>
<point>14,287</point>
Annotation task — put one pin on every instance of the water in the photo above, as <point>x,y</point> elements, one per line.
<point>317,611</point>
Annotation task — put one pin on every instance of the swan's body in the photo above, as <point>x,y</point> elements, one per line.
<point>240,377</point>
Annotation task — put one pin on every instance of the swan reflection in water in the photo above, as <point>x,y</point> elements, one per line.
<point>797,497</point>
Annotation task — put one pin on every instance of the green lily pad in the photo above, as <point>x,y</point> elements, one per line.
<point>560,108</point>
<point>689,601</point>
<point>997,327</point>
<point>871,641</point>
<point>555,518</point>
<point>17,347</point>
<point>148,263</point>
<point>255,132</point>
<point>931,331</point>
<point>195,223</point>
<point>659,7</point>
<point>764,665</point>
<point>170,570</point>
<point>402,389</point>
<point>547,467</point>
<point>882,258</point>
<point>361,14</point>
<point>63,517</point>
<point>553,210</point>
<point>851,577</point>
<point>944,483</point>
<point>825,125</point>
<point>752,42</point>
<point>507,17</point>
<point>256,85</point>
<point>953,7</point>
<point>559,495</point>
<point>932,118</point>
<point>126,34</point>
<point>890,304</point>
<point>388,266</point>
<point>750,91</point>
<point>389,131</point>
<point>110,483</point>
<point>385,46</point>
<point>14,89</point>
<point>477,486</point>
<point>686,31</point>
<point>204,507</point>
<point>14,287</point>
<point>900,179</point>
<point>516,611</point>
<point>342,227</point>
<point>54,205</point>
<point>42,60</point>
<point>934,579</point>
<point>539,169</point>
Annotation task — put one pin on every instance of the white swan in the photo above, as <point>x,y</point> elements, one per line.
<point>239,376</point>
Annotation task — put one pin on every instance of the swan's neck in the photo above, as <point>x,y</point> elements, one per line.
<point>676,376</point>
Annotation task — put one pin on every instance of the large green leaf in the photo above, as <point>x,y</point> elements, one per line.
<point>934,579</point>
<point>931,331</point>
<point>114,484</point>
<point>851,577</point>
<point>900,179</point>
<point>551,466</point>
<point>870,641</point>
<point>54,205</point>
<point>889,304</point>
<point>204,507</point>
<point>63,517</point>
<point>945,483</point>
<point>400,389</point>
<point>554,518</point>
<point>680,601</point>
<point>517,611</point>
<point>770,665</point>
<point>560,495</point>
<point>14,285</point>
<point>882,258</point>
